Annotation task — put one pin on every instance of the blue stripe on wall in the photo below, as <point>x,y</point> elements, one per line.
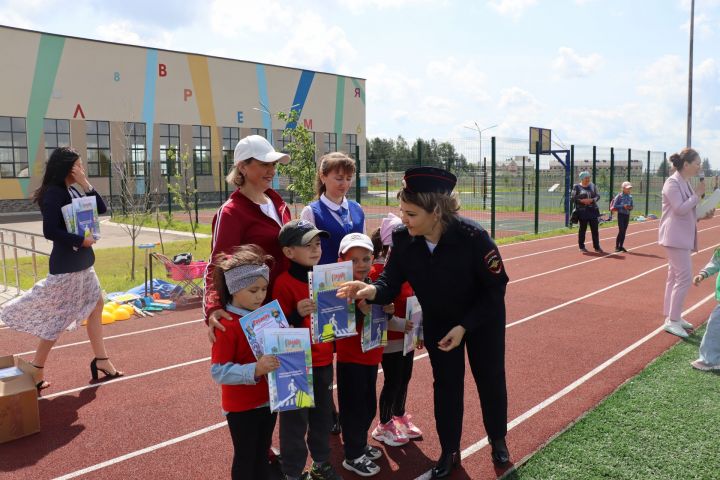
<point>148,113</point>
<point>264,101</point>
<point>301,94</point>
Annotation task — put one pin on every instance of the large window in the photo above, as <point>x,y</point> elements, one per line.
<point>169,148</point>
<point>231,136</point>
<point>136,150</point>
<point>57,134</point>
<point>330,142</point>
<point>280,141</point>
<point>259,131</point>
<point>350,143</point>
<point>98,148</point>
<point>201,150</point>
<point>13,147</point>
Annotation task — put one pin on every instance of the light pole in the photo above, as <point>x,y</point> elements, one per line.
<point>690,74</point>
<point>480,130</point>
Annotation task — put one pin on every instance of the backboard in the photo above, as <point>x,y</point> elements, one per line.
<point>543,135</point>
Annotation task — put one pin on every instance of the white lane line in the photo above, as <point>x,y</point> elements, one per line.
<point>591,260</point>
<point>573,386</point>
<point>137,453</point>
<point>604,289</point>
<point>124,378</point>
<point>157,446</point>
<point>574,234</point>
<point>574,245</point>
<point>119,335</point>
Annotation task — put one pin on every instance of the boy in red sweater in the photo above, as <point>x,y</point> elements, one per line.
<point>300,242</point>
<point>357,371</point>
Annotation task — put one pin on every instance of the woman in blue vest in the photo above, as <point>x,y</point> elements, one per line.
<point>332,211</point>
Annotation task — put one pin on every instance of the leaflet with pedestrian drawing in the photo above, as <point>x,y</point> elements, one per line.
<point>255,323</point>
<point>333,317</point>
<point>413,313</point>
<point>291,385</point>
<point>375,325</point>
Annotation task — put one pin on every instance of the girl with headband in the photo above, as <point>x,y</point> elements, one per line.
<point>241,280</point>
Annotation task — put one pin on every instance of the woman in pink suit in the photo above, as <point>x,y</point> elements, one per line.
<point>678,234</point>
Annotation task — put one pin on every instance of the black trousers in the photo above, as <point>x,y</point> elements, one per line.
<point>315,422</point>
<point>593,229</point>
<point>623,222</point>
<point>397,369</point>
<point>486,355</point>
<point>357,401</point>
<point>251,433</point>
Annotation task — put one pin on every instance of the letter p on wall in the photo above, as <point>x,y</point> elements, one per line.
<point>187,93</point>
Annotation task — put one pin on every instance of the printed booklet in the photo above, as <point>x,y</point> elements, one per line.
<point>82,218</point>
<point>254,323</point>
<point>413,313</point>
<point>334,317</point>
<point>374,332</point>
<point>291,385</point>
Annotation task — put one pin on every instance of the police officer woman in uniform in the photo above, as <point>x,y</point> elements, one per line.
<point>457,274</point>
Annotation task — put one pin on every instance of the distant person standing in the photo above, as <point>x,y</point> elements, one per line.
<point>585,196</point>
<point>71,292</point>
<point>678,234</point>
<point>623,205</point>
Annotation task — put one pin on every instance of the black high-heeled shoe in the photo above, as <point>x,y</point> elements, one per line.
<point>42,384</point>
<point>94,370</point>
<point>447,463</point>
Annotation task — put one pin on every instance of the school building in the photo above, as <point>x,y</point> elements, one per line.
<point>136,106</point>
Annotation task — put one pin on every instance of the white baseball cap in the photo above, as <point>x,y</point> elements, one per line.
<point>355,240</point>
<point>626,185</point>
<point>257,147</point>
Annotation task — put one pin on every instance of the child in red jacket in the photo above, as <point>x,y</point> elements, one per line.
<point>241,280</point>
<point>306,428</point>
<point>395,427</point>
<point>357,370</point>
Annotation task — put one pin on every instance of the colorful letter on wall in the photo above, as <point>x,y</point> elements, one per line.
<point>357,93</point>
<point>241,117</point>
<point>79,110</point>
<point>307,123</point>
<point>187,93</point>
<point>162,70</point>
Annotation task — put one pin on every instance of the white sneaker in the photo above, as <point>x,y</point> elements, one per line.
<point>685,324</point>
<point>675,328</point>
<point>362,465</point>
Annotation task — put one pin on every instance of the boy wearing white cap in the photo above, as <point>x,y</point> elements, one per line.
<point>622,204</point>
<point>357,370</point>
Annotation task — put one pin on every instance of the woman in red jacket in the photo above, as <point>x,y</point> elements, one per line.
<point>253,214</point>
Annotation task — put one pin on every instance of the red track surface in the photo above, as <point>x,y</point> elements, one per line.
<point>561,327</point>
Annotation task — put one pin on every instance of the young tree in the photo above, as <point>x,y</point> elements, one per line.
<point>135,197</point>
<point>302,167</point>
<point>183,191</point>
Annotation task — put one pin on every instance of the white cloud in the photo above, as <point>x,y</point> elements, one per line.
<point>665,80</point>
<point>511,8</point>
<point>704,25</point>
<point>359,6</point>
<point>464,76</point>
<point>516,97</point>
<point>708,69</point>
<point>255,16</point>
<point>124,31</point>
<point>569,63</point>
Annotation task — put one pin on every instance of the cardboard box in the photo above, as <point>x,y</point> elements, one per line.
<point>19,413</point>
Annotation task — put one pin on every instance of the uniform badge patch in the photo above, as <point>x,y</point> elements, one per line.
<point>494,262</point>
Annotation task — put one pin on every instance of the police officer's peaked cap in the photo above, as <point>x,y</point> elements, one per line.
<point>429,179</point>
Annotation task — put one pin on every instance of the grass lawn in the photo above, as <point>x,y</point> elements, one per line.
<point>112,265</point>
<point>662,424</point>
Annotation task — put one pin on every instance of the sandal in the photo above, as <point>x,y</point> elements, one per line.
<point>42,384</point>
<point>94,370</point>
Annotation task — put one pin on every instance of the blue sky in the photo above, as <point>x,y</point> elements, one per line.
<point>604,72</point>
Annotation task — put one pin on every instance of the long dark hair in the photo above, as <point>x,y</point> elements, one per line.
<point>58,167</point>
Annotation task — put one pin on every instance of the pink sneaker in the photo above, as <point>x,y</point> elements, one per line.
<point>389,434</point>
<point>407,427</point>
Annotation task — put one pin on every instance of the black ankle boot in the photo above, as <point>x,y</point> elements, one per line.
<point>500,454</point>
<point>446,464</point>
